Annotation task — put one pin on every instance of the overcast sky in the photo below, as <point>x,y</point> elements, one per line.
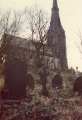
<point>71,18</point>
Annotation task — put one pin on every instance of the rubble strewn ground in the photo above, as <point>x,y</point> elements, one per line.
<point>37,107</point>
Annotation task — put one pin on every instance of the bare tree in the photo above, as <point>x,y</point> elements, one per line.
<point>10,23</point>
<point>38,24</point>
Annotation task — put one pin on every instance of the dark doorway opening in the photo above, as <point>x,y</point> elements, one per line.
<point>15,79</point>
<point>57,81</point>
<point>78,85</point>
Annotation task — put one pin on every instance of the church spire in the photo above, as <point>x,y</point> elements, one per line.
<point>56,36</point>
<point>55,19</point>
<point>55,4</point>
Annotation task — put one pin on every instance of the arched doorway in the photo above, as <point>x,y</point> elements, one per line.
<point>30,81</point>
<point>57,81</point>
<point>78,85</point>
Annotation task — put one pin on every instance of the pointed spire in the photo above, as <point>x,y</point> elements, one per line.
<point>55,4</point>
<point>56,37</point>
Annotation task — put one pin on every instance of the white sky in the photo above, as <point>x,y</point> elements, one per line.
<point>71,18</point>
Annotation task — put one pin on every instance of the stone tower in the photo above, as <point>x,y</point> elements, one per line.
<point>56,37</point>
